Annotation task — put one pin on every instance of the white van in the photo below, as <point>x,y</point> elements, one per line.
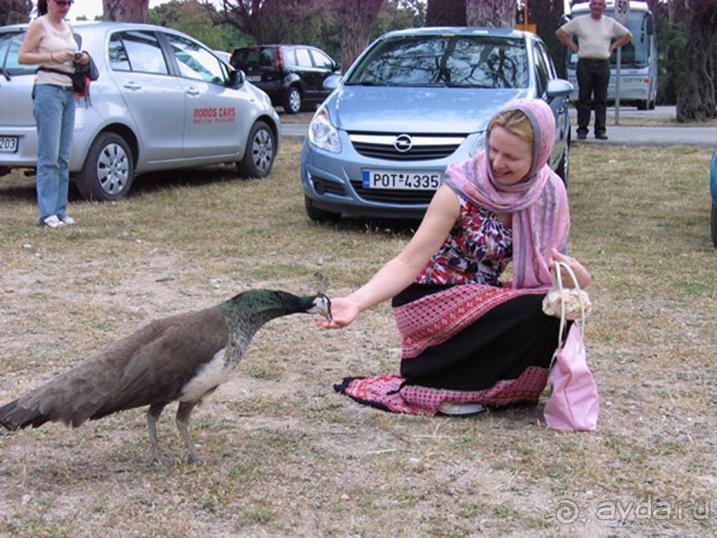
<point>638,65</point>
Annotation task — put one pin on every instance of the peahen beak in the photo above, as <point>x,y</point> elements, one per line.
<point>324,304</point>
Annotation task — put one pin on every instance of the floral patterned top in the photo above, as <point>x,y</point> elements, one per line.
<point>476,251</point>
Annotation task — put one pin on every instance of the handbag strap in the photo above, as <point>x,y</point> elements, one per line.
<point>558,279</point>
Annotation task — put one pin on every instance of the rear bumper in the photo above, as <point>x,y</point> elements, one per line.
<point>26,154</point>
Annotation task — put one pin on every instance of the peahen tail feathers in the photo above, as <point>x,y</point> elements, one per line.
<point>13,417</point>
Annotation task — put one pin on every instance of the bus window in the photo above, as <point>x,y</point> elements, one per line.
<point>636,51</point>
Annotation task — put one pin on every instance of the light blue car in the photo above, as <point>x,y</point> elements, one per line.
<point>412,103</point>
<point>713,190</point>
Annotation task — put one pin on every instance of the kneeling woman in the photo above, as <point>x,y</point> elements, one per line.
<point>470,340</point>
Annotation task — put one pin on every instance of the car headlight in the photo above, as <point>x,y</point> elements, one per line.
<point>478,145</point>
<point>322,133</point>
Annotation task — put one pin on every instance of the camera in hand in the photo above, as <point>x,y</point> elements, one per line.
<point>77,56</point>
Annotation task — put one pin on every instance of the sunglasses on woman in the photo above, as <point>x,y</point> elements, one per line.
<point>63,3</point>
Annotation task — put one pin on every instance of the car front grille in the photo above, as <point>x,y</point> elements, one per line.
<point>404,146</point>
<point>392,196</point>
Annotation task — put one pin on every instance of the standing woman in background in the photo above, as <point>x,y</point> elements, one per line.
<point>49,43</point>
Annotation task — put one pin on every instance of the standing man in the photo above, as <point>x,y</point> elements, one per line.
<point>595,34</point>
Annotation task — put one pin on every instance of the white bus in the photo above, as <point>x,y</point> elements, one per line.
<point>638,65</point>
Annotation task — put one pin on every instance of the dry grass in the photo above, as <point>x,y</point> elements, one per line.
<point>285,455</point>
<point>301,117</point>
<point>630,120</point>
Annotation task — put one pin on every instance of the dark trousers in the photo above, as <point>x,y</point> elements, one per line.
<point>593,78</point>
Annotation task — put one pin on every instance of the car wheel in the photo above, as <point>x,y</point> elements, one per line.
<point>319,215</point>
<point>292,103</point>
<point>563,169</point>
<point>260,151</point>
<point>643,105</point>
<point>714,223</point>
<point>108,171</point>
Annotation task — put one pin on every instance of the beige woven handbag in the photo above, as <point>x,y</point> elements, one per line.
<point>575,300</point>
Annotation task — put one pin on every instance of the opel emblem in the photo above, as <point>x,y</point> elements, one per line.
<point>403,143</point>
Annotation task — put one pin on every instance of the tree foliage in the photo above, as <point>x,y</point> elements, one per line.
<point>272,21</point>
<point>14,11</point>
<point>191,17</point>
<point>125,10</point>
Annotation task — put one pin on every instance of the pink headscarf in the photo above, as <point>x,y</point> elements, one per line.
<point>539,203</point>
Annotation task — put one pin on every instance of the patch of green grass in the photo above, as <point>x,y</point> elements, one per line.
<point>258,514</point>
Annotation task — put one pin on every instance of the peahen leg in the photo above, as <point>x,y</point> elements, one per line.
<point>184,411</point>
<point>152,417</point>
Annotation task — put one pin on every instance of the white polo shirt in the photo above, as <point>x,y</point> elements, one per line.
<point>594,36</point>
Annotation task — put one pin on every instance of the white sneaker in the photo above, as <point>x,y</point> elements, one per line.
<point>68,219</point>
<point>53,222</point>
<point>462,409</point>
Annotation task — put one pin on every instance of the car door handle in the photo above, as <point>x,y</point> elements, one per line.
<point>132,86</point>
<point>192,91</point>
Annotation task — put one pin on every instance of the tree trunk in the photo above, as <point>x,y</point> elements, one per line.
<point>696,97</point>
<point>125,10</point>
<point>14,11</point>
<point>546,15</point>
<point>446,13</point>
<point>492,13</point>
<point>356,17</point>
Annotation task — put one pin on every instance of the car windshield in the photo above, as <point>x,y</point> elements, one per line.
<point>9,47</point>
<point>475,61</point>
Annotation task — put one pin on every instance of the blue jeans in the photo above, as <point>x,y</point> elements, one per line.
<point>54,110</point>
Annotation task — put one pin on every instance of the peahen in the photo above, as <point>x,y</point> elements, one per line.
<point>184,357</point>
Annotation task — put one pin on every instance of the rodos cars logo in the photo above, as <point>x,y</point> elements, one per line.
<point>214,114</point>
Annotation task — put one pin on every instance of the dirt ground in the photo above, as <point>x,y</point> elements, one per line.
<point>286,456</point>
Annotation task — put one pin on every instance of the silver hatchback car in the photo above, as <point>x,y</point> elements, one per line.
<point>163,100</point>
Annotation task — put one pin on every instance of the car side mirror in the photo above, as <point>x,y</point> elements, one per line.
<point>331,82</point>
<point>558,87</point>
<point>236,77</point>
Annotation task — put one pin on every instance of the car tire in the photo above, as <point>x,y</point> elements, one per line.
<point>563,169</point>
<point>319,215</point>
<point>260,152</point>
<point>293,100</point>
<point>643,105</point>
<point>714,223</point>
<point>108,171</point>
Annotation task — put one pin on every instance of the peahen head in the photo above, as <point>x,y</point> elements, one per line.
<point>278,303</point>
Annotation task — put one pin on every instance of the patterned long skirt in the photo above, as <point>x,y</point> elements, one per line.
<point>460,344</point>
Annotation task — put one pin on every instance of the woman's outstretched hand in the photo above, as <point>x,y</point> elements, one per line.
<point>343,312</point>
<point>581,273</point>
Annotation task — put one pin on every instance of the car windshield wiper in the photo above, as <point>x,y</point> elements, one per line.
<point>5,73</point>
<point>369,83</point>
<point>468,85</point>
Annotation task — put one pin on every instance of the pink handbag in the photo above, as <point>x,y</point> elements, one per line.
<point>574,403</point>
